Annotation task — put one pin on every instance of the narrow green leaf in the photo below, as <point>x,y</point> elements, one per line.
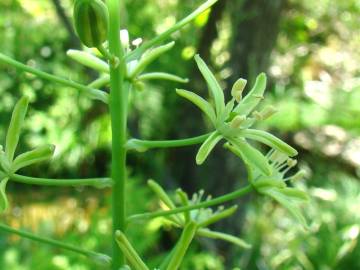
<point>250,155</point>
<point>13,134</point>
<point>4,163</point>
<point>219,216</point>
<point>215,90</point>
<point>295,193</point>
<point>270,140</point>
<point>223,236</point>
<point>201,103</point>
<point>88,60</point>
<point>3,199</point>
<point>160,192</point>
<point>163,196</point>
<point>207,146</point>
<point>227,112</point>
<point>149,57</point>
<point>183,244</point>
<point>290,205</point>
<point>268,183</point>
<point>166,34</point>
<point>185,202</point>
<point>252,99</point>
<point>131,255</point>
<point>39,154</point>
<point>162,76</point>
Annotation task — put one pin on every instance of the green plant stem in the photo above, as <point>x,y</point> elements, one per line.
<point>93,93</point>
<point>223,236</point>
<point>96,182</point>
<point>111,58</point>
<point>49,241</point>
<point>148,144</point>
<point>228,197</point>
<point>118,113</point>
<point>100,82</point>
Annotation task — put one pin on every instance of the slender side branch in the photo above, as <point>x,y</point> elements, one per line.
<point>93,93</point>
<point>96,182</point>
<point>228,197</point>
<point>98,257</point>
<point>160,38</point>
<point>143,145</point>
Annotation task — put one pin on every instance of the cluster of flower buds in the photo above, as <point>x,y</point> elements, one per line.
<point>233,122</point>
<point>201,217</point>
<point>8,164</point>
<point>275,185</point>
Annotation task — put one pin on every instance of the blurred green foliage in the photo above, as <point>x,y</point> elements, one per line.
<point>314,68</point>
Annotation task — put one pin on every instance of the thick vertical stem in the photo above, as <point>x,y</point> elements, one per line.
<point>118,112</point>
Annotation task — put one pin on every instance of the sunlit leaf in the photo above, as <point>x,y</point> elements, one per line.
<point>269,139</point>
<point>39,154</point>
<point>286,202</point>
<point>13,134</point>
<point>252,99</point>
<point>223,236</point>
<point>149,57</point>
<point>201,103</point>
<point>214,87</point>
<point>207,146</point>
<point>250,155</point>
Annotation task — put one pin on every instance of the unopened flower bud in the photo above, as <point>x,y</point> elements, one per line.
<point>91,22</point>
<point>136,42</point>
<point>237,89</point>
<point>139,86</point>
<point>237,121</point>
<point>124,38</point>
<point>291,162</point>
<point>265,113</point>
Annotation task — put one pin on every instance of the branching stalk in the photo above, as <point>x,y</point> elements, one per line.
<point>118,113</point>
<point>219,200</point>
<point>140,145</point>
<point>96,182</point>
<point>52,242</point>
<point>93,93</point>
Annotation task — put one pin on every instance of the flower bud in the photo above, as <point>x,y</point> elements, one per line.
<point>291,162</point>
<point>237,121</point>
<point>238,88</point>
<point>91,22</point>
<point>124,38</point>
<point>265,113</point>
